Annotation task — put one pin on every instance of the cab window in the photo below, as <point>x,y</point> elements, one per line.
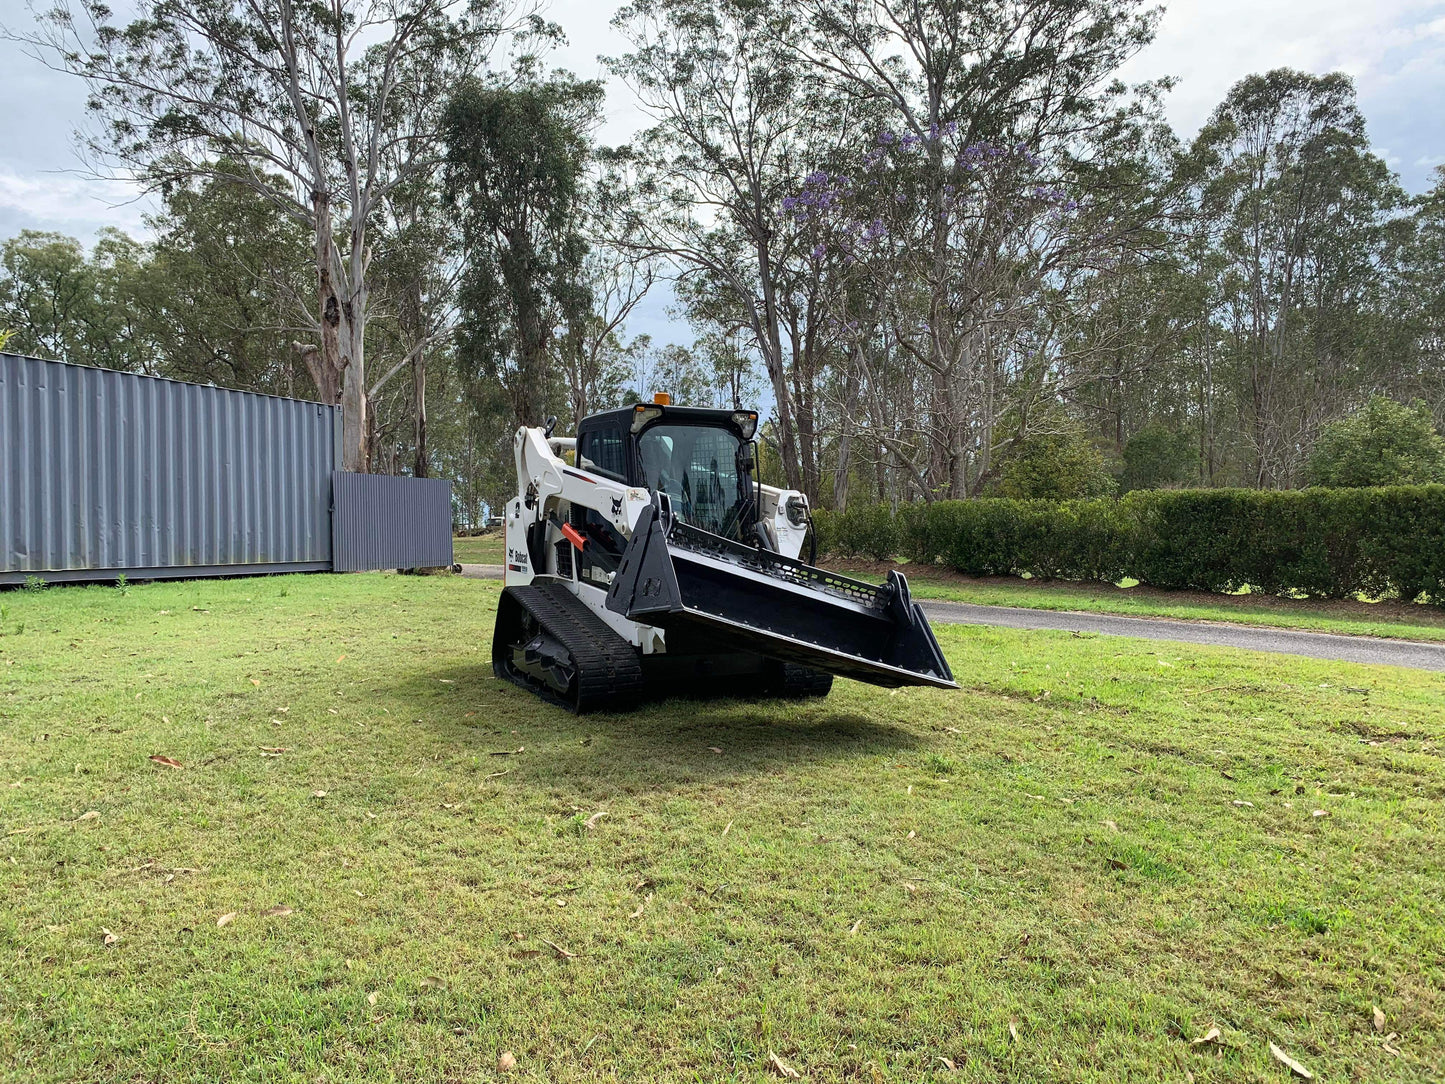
<point>603,451</point>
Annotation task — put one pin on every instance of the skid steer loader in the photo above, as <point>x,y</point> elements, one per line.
<point>656,562</point>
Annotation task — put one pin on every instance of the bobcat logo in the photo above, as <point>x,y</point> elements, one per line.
<point>617,506</point>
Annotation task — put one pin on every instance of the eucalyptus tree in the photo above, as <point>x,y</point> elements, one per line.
<point>300,102</point>
<point>736,117</point>
<point>1300,208</point>
<point>515,175</point>
<point>988,188</point>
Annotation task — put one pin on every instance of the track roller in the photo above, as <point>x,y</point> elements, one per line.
<point>551,644</point>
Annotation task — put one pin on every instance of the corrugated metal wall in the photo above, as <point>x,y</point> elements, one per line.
<point>107,472</point>
<point>384,521</point>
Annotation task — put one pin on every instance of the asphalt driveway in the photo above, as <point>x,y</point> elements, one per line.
<point>1314,645</point>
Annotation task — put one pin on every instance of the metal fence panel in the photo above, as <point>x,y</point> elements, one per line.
<point>103,473</point>
<point>383,521</point>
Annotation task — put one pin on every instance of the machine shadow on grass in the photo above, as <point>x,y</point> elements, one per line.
<point>674,738</point>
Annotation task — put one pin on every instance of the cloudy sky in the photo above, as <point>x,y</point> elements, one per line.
<point>1394,49</point>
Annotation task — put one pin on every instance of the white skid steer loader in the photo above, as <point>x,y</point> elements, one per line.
<point>659,564</point>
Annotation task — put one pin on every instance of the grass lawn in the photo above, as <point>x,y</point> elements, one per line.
<point>1095,853</point>
<point>1408,621</point>
<point>487,549</point>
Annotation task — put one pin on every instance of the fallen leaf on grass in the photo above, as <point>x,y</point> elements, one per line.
<point>591,822</point>
<point>726,830</point>
<point>559,950</point>
<point>506,1062</point>
<point>782,1068</point>
<point>226,919</point>
<point>1392,1051</point>
<point>1210,1036</point>
<point>447,681</point>
<point>497,775</point>
<point>340,657</point>
<point>256,681</point>
<point>1013,1030</point>
<point>318,794</point>
<point>508,752</point>
<point>1319,813</point>
<point>909,888</point>
<point>1294,1066</point>
<point>109,938</point>
<point>279,911</point>
<point>1239,801</point>
<point>1111,826</point>
<point>1379,1017</point>
<point>371,998</point>
<point>856,927</point>
<point>433,982</point>
<point>273,750</point>
<point>641,907</point>
<point>169,762</point>
<point>1114,863</point>
<point>713,749</point>
<point>89,815</point>
<point>948,1064</point>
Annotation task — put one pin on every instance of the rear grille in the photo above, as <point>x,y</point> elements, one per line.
<point>776,565</point>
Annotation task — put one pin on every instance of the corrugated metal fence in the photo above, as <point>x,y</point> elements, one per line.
<point>103,473</point>
<point>383,521</point>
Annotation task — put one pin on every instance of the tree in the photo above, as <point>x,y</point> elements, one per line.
<point>63,304</point>
<point>1384,444</point>
<point>1296,205</point>
<point>1059,465</point>
<point>993,108</point>
<point>1157,457</point>
<point>733,111</point>
<point>301,103</point>
<point>515,162</point>
<point>228,279</point>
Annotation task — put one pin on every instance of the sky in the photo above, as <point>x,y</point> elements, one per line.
<point>1394,50</point>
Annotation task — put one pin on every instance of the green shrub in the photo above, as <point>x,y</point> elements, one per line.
<point>1385,444</point>
<point>1054,466</point>
<point>1157,456</point>
<point>869,530</point>
<point>1326,543</point>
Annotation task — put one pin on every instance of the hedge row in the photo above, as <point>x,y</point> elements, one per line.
<point>1325,543</point>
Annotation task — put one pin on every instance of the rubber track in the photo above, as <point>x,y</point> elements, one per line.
<point>609,669</point>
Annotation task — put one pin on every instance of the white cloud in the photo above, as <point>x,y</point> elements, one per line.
<point>70,203</point>
<point>1385,45</point>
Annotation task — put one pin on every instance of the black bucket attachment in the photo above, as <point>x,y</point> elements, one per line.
<point>675,576</point>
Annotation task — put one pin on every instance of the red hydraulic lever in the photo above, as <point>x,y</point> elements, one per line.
<point>574,536</point>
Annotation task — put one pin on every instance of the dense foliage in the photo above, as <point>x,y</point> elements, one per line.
<point>939,242</point>
<point>1325,543</point>
<point>1384,444</point>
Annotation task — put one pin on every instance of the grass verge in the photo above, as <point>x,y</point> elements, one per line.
<point>1096,852</point>
<point>1392,619</point>
<point>485,549</point>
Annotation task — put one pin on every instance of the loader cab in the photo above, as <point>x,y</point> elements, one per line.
<point>702,459</point>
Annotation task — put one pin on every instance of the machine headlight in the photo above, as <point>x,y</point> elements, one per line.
<point>797,508</point>
<point>747,422</point>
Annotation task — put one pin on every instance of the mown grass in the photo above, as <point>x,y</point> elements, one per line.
<point>864,885</point>
<point>486,549</point>
<point>1392,619</point>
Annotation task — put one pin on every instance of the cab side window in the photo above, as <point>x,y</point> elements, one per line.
<point>603,451</point>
